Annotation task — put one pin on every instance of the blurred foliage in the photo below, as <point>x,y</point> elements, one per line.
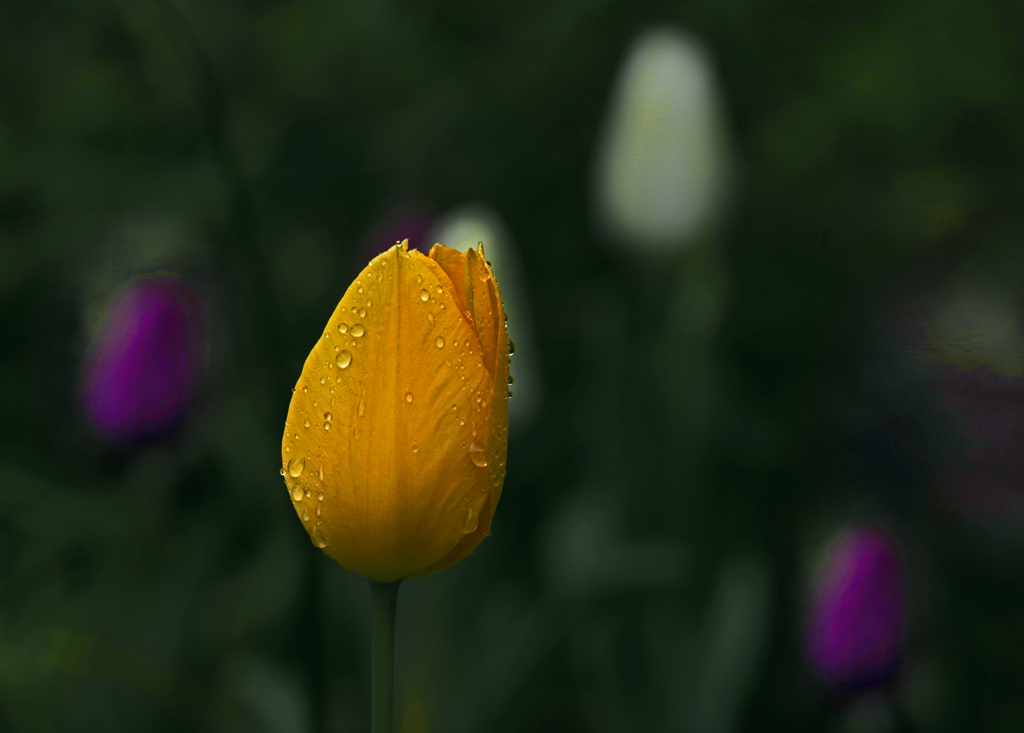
<point>708,419</point>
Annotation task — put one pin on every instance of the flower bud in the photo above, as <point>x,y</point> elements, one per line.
<point>395,442</point>
<point>663,163</point>
<point>855,628</point>
<point>147,362</point>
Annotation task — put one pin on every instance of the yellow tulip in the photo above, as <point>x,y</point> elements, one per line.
<point>395,443</point>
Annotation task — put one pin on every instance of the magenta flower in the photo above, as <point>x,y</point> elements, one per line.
<point>145,366</point>
<point>854,637</point>
<point>410,219</point>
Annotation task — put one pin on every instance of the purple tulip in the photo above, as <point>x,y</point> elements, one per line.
<point>855,629</point>
<point>409,219</point>
<point>146,364</point>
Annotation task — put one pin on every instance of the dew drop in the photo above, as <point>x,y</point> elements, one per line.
<point>362,314</point>
<point>455,343</point>
<point>408,396</point>
<point>419,279</point>
<point>296,493</point>
<point>328,416</point>
<point>327,426</point>
<point>358,330</point>
<point>305,515</point>
<point>342,328</point>
<point>470,521</point>
<point>344,359</point>
<point>439,290</point>
<point>318,511</point>
<point>361,407</point>
<point>359,289</point>
<point>323,379</point>
<point>439,342</point>
<point>305,389</point>
<point>511,379</point>
<point>282,472</point>
<point>321,474</point>
<point>430,318</point>
<point>306,424</point>
<point>415,448</point>
<point>424,295</point>
<point>511,347</point>
<point>477,454</point>
<point>320,496</point>
<point>295,466</point>
<point>309,493</point>
<point>318,538</point>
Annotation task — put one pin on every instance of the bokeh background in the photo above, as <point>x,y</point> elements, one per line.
<point>816,328</point>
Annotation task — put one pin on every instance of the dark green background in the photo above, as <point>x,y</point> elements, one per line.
<point>698,439</point>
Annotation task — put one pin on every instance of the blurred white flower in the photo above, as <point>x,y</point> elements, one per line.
<point>663,165</point>
<point>465,227</point>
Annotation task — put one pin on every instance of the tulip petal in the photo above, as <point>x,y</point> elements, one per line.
<point>384,419</point>
<point>453,263</point>
<point>497,433</point>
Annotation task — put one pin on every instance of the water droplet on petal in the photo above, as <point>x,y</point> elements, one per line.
<point>321,473</point>
<point>305,515</point>
<point>296,465</point>
<point>296,493</point>
<point>415,448</point>
<point>358,330</point>
<point>328,416</point>
<point>511,347</point>
<point>322,380</point>
<point>470,521</point>
<point>327,426</point>
<point>430,318</point>
<point>408,396</point>
<point>318,511</point>
<point>342,328</point>
<point>361,407</point>
<point>362,314</point>
<point>306,424</point>
<point>511,379</point>
<point>320,496</point>
<point>309,493</point>
<point>318,538</point>
<point>424,295</point>
<point>305,389</point>
<point>439,342</point>
<point>282,472</point>
<point>359,289</point>
<point>477,454</point>
<point>419,278</point>
<point>439,290</point>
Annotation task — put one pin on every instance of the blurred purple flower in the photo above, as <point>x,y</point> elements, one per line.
<point>855,629</point>
<point>409,219</point>
<point>967,349</point>
<point>145,366</point>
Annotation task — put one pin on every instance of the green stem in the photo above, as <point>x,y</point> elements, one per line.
<point>383,599</point>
